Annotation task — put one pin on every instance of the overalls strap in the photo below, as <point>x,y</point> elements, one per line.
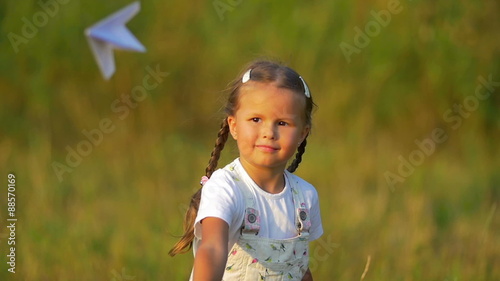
<point>259,258</point>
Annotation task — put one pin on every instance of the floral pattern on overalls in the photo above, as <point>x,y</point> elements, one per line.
<point>255,258</point>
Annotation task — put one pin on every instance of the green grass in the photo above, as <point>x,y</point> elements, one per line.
<point>119,211</point>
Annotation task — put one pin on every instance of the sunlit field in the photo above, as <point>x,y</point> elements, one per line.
<point>404,147</point>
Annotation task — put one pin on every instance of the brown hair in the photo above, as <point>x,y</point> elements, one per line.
<point>262,71</point>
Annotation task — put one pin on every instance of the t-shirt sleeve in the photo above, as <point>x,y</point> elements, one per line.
<point>316,229</point>
<point>220,198</point>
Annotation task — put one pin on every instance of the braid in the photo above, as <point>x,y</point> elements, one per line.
<point>298,156</point>
<point>219,146</point>
<point>186,241</point>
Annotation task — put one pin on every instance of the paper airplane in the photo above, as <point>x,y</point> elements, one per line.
<point>111,33</point>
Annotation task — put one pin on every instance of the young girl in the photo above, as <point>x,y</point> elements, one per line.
<point>253,220</point>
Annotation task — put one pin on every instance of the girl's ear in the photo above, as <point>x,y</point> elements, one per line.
<point>231,121</point>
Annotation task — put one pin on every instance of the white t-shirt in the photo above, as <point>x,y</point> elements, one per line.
<point>222,198</point>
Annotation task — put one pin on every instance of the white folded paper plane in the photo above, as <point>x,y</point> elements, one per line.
<point>111,33</point>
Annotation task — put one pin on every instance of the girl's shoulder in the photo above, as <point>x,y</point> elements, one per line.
<point>223,183</point>
<point>224,175</point>
<point>307,188</point>
<point>221,198</point>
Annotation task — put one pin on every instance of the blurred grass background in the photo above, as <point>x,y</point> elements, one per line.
<point>115,216</point>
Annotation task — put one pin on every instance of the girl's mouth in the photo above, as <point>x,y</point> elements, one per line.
<point>266,148</point>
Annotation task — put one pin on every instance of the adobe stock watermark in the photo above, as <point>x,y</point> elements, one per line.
<point>324,249</point>
<point>362,38</point>
<point>48,9</point>
<point>454,117</point>
<point>223,6</point>
<point>121,107</point>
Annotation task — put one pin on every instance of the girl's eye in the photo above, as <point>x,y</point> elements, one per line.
<point>255,119</point>
<point>282,123</point>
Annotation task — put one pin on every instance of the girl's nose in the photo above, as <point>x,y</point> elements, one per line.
<point>269,131</point>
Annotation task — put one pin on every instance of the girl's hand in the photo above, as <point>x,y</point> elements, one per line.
<point>308,276</point>
<point>211,256</point>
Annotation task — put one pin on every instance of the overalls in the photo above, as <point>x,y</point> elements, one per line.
<point>258,258</point>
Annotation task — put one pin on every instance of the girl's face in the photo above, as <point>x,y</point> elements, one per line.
<point>268,125</point>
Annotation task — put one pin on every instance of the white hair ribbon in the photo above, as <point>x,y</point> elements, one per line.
<point>246,76</point>
<point>306,89</point>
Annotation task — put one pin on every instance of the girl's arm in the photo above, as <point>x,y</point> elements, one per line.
<point>308,276</point>
<point>211,255</point>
